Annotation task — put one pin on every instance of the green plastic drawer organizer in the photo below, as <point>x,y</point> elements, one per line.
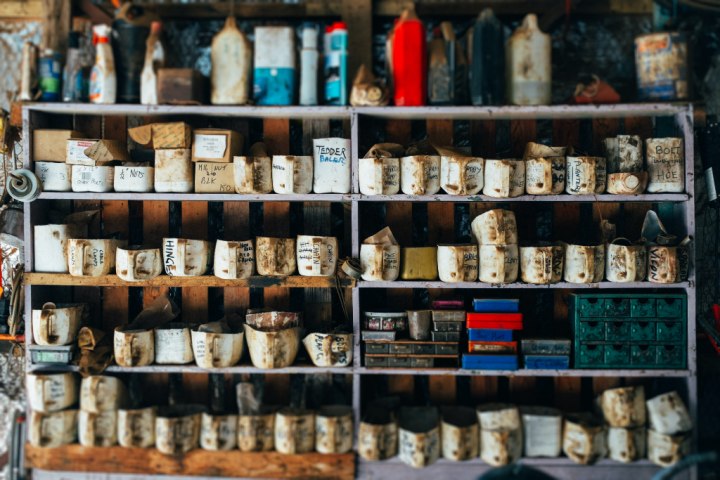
<point>637,330</point>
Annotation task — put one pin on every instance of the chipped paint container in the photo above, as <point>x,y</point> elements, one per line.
<point>661,66</point>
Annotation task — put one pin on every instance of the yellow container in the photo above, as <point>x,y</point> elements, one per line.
<point>419,263</point>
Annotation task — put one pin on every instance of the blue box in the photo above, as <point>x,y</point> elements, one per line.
<point>490,362</point>
<point>547,362</point>
<point>496,305</point>
<point>489,335</point>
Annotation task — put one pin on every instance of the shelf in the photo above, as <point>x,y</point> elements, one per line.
<point>295,281</point>
<point>149,461</point>
<point>517,285</point>
<point>192,368</point>
<point>409,113</point>
<point>338,197</point>
<point>524,372</point>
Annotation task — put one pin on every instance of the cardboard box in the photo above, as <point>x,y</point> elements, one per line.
<point>216,145</point>
<point>211,177</point>
<point>105,152</point>
<point>161,136</point>
<point>173,170</point>
<point>51,145</point>
<point>181,86</point>
<point>75,151</point>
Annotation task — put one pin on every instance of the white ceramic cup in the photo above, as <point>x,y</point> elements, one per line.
<point>586,175</point>
<point>380,262</point>
<point>498,263</point>
<point>275,256</point>
<point>234,260</point>
<point>316,256</point>
<point>256,432</point>
<point>329,349</point>
<point>57,324</point>
<point>133,348</point>
<point>91,258</point>
<point>379,176</point>
<point>51,242</point>
<point>457,263</point>
<point>292,174</point>
<point>276,349</point>
<point>253,175</point>
<point>542,264</point>
<point>420,174</point>
<point>186,258</point>
<point>461,175</point>
<point>504,178</point>
<point>136,179</point>
<point>55,177</point>
<point>584,263</point>
<point>136,263</point>
<point>495,227</point>
<point>218,432</point>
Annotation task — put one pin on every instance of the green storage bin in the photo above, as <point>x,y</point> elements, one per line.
<point>670,331</point>
<point>642,355</point>
<point>642,307</point>
<point>617,307</point>
<point>591,307</point>
<point>670,356</point>
<point>617,354</point>
<point>671,307</point>
<point>593,330</point>
<point>643,331</point>
<point>617,331</point>
<point>590,355</point>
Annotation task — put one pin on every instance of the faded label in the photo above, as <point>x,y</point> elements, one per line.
<point>210,146</point>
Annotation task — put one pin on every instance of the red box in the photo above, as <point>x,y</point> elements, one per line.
<point>499,321</point>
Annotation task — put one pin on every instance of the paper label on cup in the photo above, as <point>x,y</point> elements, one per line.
<point>210,146</point>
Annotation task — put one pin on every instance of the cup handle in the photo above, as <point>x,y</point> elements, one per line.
<point>463,176</point>
<point>327,346</point>
<point>381,263</point>
<point>46,324</point>
<point>546,272</point>
<point>331,428</point>
<point>83,252</point>
<point>378,175</point>
<point>459,261</point>
<point>37,429</point>
<point>213,348</point>
<point>423,176</point>
<point>590,264</point>
<point>131,347</point>
<point>96,387</point>
<point>500,264</point>
<point>234,257</point>
<point>292,434</point>
<point>505,178</point>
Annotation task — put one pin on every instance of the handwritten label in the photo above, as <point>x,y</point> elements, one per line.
<point>210,146</point>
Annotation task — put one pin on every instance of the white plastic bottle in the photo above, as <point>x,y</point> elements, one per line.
<point>154,59</point>
<point>103,80</point>
<point>309,66</point>
<point>231,56</point>
<point>528,64</point>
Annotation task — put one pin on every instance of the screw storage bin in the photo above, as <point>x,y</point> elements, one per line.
<point>639,330</point>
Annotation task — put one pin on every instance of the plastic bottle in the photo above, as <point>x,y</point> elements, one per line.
<point>103,82</point>
<point>487,85</point>
<point>50,75</point>
<point>441,66</point>
<point>309,66</point>
<point>274,76</point>
<point>408,60</point>
<point>72,74</point>
<point>336,52</point>
<point>529,68</point>
<point>231,57</point>
<point>154,59</point>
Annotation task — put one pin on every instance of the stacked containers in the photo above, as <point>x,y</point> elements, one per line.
<point>496,233</point>
<point>172,144</point>
<point>53,421</point>
<point>100,398</point>
<point>490,334</point>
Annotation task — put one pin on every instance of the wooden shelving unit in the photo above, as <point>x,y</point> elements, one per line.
<point>446,220</point>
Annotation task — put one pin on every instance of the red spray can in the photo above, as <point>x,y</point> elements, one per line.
<point>408,60</point>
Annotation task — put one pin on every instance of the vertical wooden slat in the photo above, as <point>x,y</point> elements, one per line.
<point>521,132</point>
<point>155,227</point>
<point>236,218</point>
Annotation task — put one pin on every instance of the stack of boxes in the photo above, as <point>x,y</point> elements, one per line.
<point>491,343</point>
<point>546,353</point>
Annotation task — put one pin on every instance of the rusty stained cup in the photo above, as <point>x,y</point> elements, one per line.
<point>54,429</point>
<point>136,427</point>
<point>419,434</point>
<point>461,175</point>
<point>542,264</point>
<point>329,349</point>
<point>499,263</point>
<point>275,256</point>
<point>102,393</point>
<point>51,392</point>
<point>586,175</point>
<point>378,435</point>
<point>294,430</point>
<point>173,345</point>
<point>584,263</point>
<point>666,450</point>
<point>216,350</point>
<point>379,176</point>
<point>460,433</point>
<point>420,174</point>
<point>97,429</point>
<point>177,428</point>
<point>663,264</point>
<point>504,178</point>
<point>57,324</point>
<point>51,245</point>
<point>624,154</point>
<point>133,347</point>
<point>626,444</point>
<point>137,263</point>
<point>379,262</point>
<point>256,432</point>
<point>91,258</point>
<point>186,258</point>
<point>218,432</point>
<point>625,262</point>
<point>292,174</point>
<point>276,349</point>
<point>234,260</point>
<point>457,263</point>
<point>495,227</point>
<point>334,429</point>
<point>545,175</point>
<point>253,175</point>
<point>316,256</point>
<point>584,438</point>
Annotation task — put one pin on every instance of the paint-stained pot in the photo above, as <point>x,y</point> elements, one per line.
<point>276,349</point>
<point>626,444</point>
<point>666,450</point>
<point>329,349</point>
<point>177,428</point>
<point>50,430</point>
<point>294,430</point>
<point>218,432</point>
<point>102,393</point>
<point>419,435</point>
<point>173,344</point>
<point>460,433</point>
<point>504,178</point>
<point>584,438</point>
<point>256,432</point>
<point>133,347</point>
<point>57,324</point>
<point>275,256</point>
<point>51,392</point>
<point>495,227</point>
<point>334,429</point>
<point>624,407</point>
<point>97,429</point>
<point>136,427</point>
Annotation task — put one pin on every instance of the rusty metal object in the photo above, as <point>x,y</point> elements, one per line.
<point>294,431</point>
<point>460,433</point>
<point>334,429</point>
<point>134,348</point>
<point>276,349</point>
<point>624,407</point>
<point>218,432</point>
<point>275,256</point>
<point>584,438</point>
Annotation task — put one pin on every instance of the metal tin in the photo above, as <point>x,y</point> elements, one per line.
<point>375,335</point>
<point>661,66</point>
<point>376,361</point>
<point>445,336</point>
<point>385,321</point>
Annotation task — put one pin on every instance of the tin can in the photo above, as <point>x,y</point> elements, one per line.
<point>661,65</point>
<point>50,73</point>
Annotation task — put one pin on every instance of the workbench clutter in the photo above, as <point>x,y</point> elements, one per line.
<point>501,434</point>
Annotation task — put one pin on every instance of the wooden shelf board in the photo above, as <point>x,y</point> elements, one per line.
<point>149,461</point>
<point>338,197</point>
<point>459,372</point>
<point>407,113</point>
<point>295,281</point>
<point>517,285</point>
<point>191,368</point>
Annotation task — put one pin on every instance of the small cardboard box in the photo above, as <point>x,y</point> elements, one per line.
<point>51,145</point>
<point>173,170</point>
<point>105,152</point>
<point>181,86</point>
<point>211,177</point>
<point>216,145</point>
<point>160,136</point>
<point>75,151</point>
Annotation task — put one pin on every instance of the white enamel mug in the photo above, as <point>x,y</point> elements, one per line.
<point>504,178</point>
<point>275,256</point>
<point>316,256</point>
<point>91,258</point>
<point>97,429</point>
<point>133,348</point>
<point>50,430</point>
<point>586,175</point>
<point>136,179</point>
<point>380,262</point>
<point>292,174</point>
<point>186,258</point>
<point>545,175</point>
<point>461,175</point>
<point>457,263</point>
<point>625,262</point>
<point>97,179</point>
<point>136,263</point>
<point>51,242</point>
<point>101,393</point>
<point>173,345</point>
<point>55,177</point>
<point>234,260</point>
<point>216,350</point>
<point>420,174</point>
<point>253,175</point>
<point>379,176</point>
<point>57,324</point>
<point>51,392</point>
<point>331,171</point>
<point>542,264</point>
<point>334,429</point>
<point>136,427</point>
<point>499,263</point>
<point>495,227</point>
<point>584,263</point>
